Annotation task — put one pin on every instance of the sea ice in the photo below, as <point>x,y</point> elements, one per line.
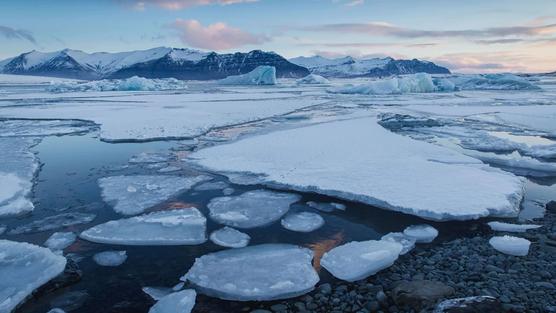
<point>219,185</point>
<point>54,222</point>
<point>360,259</point>
<point>313,79</point>
<point>134,83</point>
<point>177,302</point>
<point>302,222</point>
<point>157,293</point>
<point>516,162</point>
<point>134,194</point>
<point>515,228</point>
<point>510,245</point>
<point>421,233</point>
<point>230,238</point>
<point>25,267</point>
<point>60,240</point>
<point>326,207</point>
<point>255,273</point>
<point>149,157</point>
<point>251,209</point>
<point>261,75</point>
<point>41,128</point>
<point>110,258</point>
<point>176,227</point>
<point>408,243</point>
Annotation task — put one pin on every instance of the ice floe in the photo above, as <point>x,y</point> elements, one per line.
<point>510,245</point>
<point>110,258</point>
<point>134,83</point>
<point>60,240</point>
<point>256,273</point>
<point>136,193</point>
<point>261,75</point>
<point>302,222</point>
<point>229,237</point>
<point>513,228</point>
<point>157,293</point>
<point>149,157</point>
<point>421,233</point>
<point>219,185</point>
<point>176,227</point>
<point>41,128</point>
<point>251,209</point>
<point>25,267</point>
<point>177,302</point>
<point>54,222</point>
<point>312,79</point>
<point>408,243</point>
<point>360,259</point>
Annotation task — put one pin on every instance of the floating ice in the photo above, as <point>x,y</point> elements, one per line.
<point>255,273</point>
<point>421,233</point>
<point>515,228</point>
<point>40,128</point>
<point>60,240</point>
<point>229,237</point>
<point>149,157</point>
<point>312,79</point>
<point>54,222</point>
<point>176,227</point>
<point>510,245</point>
<point>134,83</point>
<point>135,194</point>
<point>25,267</point>
<point>3,229</point>
<point>516,162</point>
<point>360,259</point>
<point>177,302</point>
<point>110,258</point>
<point>415,83</point>
<point>56,310</point>
<point>169,169</point>
<point>157,293</point>
<point>302,222</point>
<point>492,82</point>
<point>326,207</point>
<point>261,75</point>
<point>251,209</point>
<point>219,185</point>
<point>408,243</point>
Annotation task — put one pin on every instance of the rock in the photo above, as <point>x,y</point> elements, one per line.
<point>418,293</point>
<point>479,304</point>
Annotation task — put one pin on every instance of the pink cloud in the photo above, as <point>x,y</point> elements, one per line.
<point>181,4</point>
<point>218,36</point>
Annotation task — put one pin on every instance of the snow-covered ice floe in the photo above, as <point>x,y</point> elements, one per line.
<point>421,233</point>
<point>312,79</point>
<point>110,258</point>
<point>23,268</point>
<point>251,209</point>
<point>407,242</point>
<point>382,168</point>
<point>135,193</point>
<point>510,245</point>
<point>176,302</point>
<point>302,222</point>
<point>513,228</point>
<point>134,83</point>
<point>230,238</point>
<point>360,259</point>
<point>176,227</point>
<point>261,75</point>
<point>60,240</point>
<point>256,273</point>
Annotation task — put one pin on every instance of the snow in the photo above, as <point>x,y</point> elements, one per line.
<point>312,79</point>
<point>255,273</point>
<point>397,176</point>
<point>326,207</point>
<point>515,228</point>
<point>421,233</point>
<point>251,209</point>
<point>230,238</point>
<point>408,243</point>
<point>134,83</point>
<point>110,258</point>
<point>177,302</point>
<point>175,227</point>
<point>60,240</point>
<point>261,75</point>
<point>25,267</point>
<point>54,222</point>
<point>415,83</point>
<point>357,260</point>
<point>510,245</point>
<point>134,194</point>
<point>302,222</point>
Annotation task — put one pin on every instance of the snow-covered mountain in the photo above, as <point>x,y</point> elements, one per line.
<point>152,63</point>
<point>374,67</point>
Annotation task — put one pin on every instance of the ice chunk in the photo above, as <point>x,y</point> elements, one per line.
<point>251,209</point>
<point>515,162</point>
<point>360,259</point>
<point>255,273</point>
<point>229,237</point>
<point>149,157</point>
<point>54,222</point>
<point>415,83</point>
<point>326,207</point>
<point>176,227</point>
<point>421,233</point>
<point>313,79</point>
<point>302,222</point>
<point>60,240</point>
<point>261,75</point>
<point>177,302</point>
<point>134,83</point>
<point>110,258</point>
<point>510,245</point>
<point>25,267</point>
<point>408,243</point>
<point>134,194</point>
<point>492,82</point>
<point>56,310</point>
<point>157,293</point>
<point>516,228</point>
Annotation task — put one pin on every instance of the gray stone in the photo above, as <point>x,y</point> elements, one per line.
<point>419,293</point>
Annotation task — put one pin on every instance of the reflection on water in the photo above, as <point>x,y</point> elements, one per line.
<point>321,247</point>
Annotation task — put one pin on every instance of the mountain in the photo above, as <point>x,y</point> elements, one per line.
<point>374,67</point>
<point>153,63</point>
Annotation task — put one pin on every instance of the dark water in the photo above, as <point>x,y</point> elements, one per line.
<point>67,182</point>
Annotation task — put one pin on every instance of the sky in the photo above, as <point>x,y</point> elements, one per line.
<point>468,36</point>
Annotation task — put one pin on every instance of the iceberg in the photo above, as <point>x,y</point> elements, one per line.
<point>177,302</point>
<point>261,75</point>
<point>54,222</point>
<point>134,194</point>
<point>25,267</point>
<point>421,233</point>
<point>60,240</point>
<point>492,82</point>
<point>357,260</point>
<point>134,83</point>
<point>415,83</point>
<point>230,238</point>
<point>255,273</point>
<point>513,228</point>
<point>251,209</point>
<point>408,243</point>
<point>510,245</point>
<point>110,258</point>
<point>176,227</point>
<point>302,222</point>
<point>312,79</point>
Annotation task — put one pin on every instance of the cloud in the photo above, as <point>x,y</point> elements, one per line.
<point>485,62</point>
<point>218,36</point>
<point>12,33</point>
<point>178,4</point>
<point>373,45</point>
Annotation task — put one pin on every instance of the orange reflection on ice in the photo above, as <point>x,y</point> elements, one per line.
<point>320,247</point>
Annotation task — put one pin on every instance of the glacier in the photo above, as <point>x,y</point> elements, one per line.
<point>302,222</point>
<point>230,238</point>
<point>510,245</point>
<point>134,83</point>
<point>261,75</point>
